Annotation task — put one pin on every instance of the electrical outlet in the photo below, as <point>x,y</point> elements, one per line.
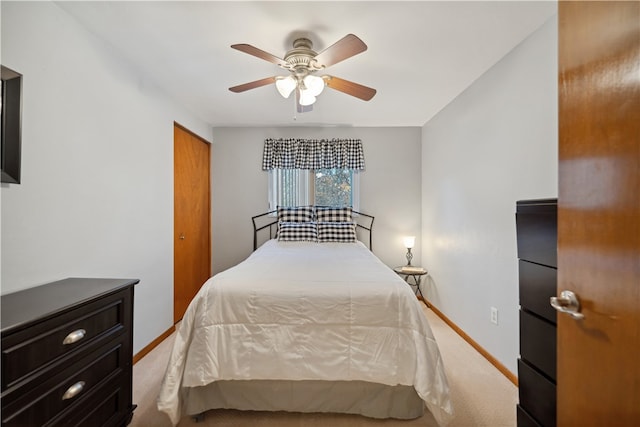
<point>494,315</point>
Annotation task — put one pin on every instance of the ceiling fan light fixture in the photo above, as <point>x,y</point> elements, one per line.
<point>306,97</point>
<point>286,85</point>
<point>314,84</point>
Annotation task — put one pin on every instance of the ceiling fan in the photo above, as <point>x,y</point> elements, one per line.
<point>303,62</point>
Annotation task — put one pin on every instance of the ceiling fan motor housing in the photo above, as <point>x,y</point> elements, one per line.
<point>301,59</point>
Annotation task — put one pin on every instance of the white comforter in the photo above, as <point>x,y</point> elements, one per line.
<point>306,311</point>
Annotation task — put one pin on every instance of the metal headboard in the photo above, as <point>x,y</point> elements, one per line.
<point>270,220</point>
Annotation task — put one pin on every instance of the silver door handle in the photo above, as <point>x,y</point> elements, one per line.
<point>567,303</point>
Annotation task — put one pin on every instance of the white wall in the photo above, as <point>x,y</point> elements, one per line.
<point>389,187</point>
<point>96,198</point>
<point>494,144</point>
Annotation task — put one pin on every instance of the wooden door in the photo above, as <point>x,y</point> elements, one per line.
<point>192,232</point>
<point>599,212</point>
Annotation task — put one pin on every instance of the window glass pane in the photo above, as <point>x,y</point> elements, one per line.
<point>333,187</point>
<point>324,187</point>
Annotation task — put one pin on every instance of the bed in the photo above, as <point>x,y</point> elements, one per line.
<point>308,326</point>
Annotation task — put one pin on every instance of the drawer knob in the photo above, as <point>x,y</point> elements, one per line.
<point>74,336</point>
<point>73,391</point>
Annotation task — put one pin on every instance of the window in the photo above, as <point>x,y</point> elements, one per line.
<point>321,187</point>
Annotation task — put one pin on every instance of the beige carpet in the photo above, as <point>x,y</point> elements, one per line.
<point>481,395</point>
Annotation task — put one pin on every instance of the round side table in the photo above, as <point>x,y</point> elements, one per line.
<point>416,273</point>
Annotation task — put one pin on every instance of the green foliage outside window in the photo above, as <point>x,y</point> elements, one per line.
<point>333,187</point>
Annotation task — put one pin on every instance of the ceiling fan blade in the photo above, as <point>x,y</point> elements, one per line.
<point>350,88</point>
<point>253,85</point>
<point>251,50</point>
<point>344,48</point>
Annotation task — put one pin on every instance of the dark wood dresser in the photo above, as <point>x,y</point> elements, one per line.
<point>536,225</point>
<point>67,354</point>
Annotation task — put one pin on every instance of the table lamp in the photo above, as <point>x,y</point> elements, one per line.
<point>409,242</point>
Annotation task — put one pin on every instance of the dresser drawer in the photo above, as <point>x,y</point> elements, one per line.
<point>29,350</point>
<point>108,406</point>
<point>537,395</point>
<point>537,285</point>
<point>537,231</point>
<point>36,404</point>
<point>523,419</point>
<point>538,343</point>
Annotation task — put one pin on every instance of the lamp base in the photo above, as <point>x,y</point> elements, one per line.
<point>409,256</point>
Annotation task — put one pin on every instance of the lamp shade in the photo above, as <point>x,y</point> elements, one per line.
<point>286,85</point>
<point>306,97</point>
<point>409,241</point>
<point>314,84</point>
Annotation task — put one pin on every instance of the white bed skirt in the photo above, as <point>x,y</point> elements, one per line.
<point>348,397</point>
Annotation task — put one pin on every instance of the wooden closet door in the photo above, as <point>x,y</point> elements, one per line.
<point>192,213</point>
<point>599,213</point>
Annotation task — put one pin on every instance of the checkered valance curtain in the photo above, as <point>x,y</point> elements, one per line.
<point>294,153</point>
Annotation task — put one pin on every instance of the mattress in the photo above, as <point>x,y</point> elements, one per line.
<point>303,311</point>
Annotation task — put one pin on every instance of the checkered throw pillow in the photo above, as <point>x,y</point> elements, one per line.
<point>295,214</point>
<point>334,214</point>
<point>297,232</point>
<point>344,232</point>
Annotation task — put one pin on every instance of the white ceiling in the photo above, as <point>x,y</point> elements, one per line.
<point>421,54</point>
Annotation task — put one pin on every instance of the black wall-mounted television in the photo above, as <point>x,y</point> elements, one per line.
<point>11,145</point>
